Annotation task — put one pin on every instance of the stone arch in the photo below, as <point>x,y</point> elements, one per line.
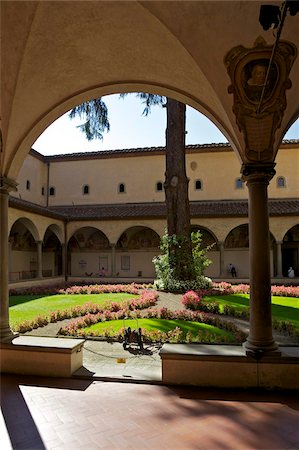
<point>138,238</point>
<point>52,252</point>
<point>56,230</point>
<point>135,249</point>
<point>89,238</point>
<point>27,223</point>
<point>208,237</point>
<point>290,251</point>
<point>88,250</point>
<point>23,257</point>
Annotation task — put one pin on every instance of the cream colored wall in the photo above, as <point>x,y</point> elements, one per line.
<point>287,166</point>
<point>35,171</point>
<point>139,174</point>
<point>40,222</point>
<point>218,172</point>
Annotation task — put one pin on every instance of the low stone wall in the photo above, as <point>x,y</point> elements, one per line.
<point>227,366</point>
<point>32,355</point>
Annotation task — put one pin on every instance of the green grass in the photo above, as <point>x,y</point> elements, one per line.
<point>27,307</point>
<point>163,325</point>
<point>283,308</point>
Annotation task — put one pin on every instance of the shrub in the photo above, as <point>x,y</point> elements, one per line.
<point>166,266</point>
<point>191,300</point>
<point>176,335</point>
<point>146,300</point>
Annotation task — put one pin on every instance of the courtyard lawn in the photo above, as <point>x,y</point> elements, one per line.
<point>283,308</point>
<point>163,325</point>
<point>27,307</point>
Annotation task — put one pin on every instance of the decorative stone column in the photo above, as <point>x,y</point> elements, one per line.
<point>39,259</point>
<point>63,259</point>
<point>6,185</point>
<point>279,259</point>
<point>259,80</point>
<point>221,254</point>
<point>9,259</point>
<point>260,340</point>
<point>113,260</point>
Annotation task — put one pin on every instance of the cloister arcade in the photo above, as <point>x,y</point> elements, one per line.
<point>199,53</point>
<point>88,252</point>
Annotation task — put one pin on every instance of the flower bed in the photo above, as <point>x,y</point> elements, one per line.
<point>225,288</point>
<point>146,299</point>
<point>192,301</point>
<point>77,327</point>
<point>68,288</point>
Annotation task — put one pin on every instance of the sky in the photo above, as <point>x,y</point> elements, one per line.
<point>130,129</point>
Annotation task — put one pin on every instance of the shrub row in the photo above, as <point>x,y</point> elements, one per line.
<point>146,299</point>
<point>70,288</point>
<point>76,328</point>
<point>225,288</point>
<point>193,302</point>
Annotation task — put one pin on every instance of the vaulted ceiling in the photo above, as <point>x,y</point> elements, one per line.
<point>58,54</point>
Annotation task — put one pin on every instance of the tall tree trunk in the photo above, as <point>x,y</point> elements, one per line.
<point>176,192</point>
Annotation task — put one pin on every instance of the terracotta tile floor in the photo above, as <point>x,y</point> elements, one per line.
<point>54,414</point>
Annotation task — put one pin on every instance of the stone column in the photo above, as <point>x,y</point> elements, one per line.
<point>9,259</point>
<point>39,259</point>
<point>221,251</point>
<point>113,261</point>
<point>6,185</point>
<point>260,340</point>
<point>279,259</point>
<point>63,259</point>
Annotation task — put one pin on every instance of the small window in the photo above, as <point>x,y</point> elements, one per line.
<point>198,185</point>
<point>159,186</point>
<point>28,185</point>
<point>239,183</point>
<point>85,189</point>
<point>281,182</point>
<point>43,191</point>
<point>121,188</point>
<point>52,191</point>
<point>125,262</point>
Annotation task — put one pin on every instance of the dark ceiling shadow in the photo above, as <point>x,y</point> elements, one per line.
<point>284,397</point>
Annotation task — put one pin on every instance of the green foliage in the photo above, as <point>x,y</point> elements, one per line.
<point>165,264</point>
<point>95,113</point>
<point>149,100</point>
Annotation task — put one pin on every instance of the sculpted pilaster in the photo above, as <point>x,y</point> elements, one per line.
<point>259,80</point>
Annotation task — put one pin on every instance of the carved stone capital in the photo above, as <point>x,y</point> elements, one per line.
<point>7,185</point>
<point>259,80</point>
<point>258,172</point>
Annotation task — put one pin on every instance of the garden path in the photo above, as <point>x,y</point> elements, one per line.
<point>172,302</point>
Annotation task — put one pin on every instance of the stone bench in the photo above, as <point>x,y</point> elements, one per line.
<point>227,366</point>
<point>32,355</point>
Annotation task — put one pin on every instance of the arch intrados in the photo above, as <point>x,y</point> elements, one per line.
<point>55,230</point>
<point>290,230</point>
<point>138,228</point>
<point>104,90</point>
<point>29,225</point>
<point>85,228</point>
<point>200,227</point>
<point>236,227</point>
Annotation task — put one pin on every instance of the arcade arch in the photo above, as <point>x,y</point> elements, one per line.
<point>135,250</point>
<point>290,251</point>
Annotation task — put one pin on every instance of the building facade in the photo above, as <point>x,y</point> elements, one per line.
<point>102,214</point>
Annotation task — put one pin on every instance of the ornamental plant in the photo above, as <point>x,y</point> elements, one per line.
<point>166,278</point>
<point>191,300</point>
<point>147,299</point>
<point>76,327</point>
